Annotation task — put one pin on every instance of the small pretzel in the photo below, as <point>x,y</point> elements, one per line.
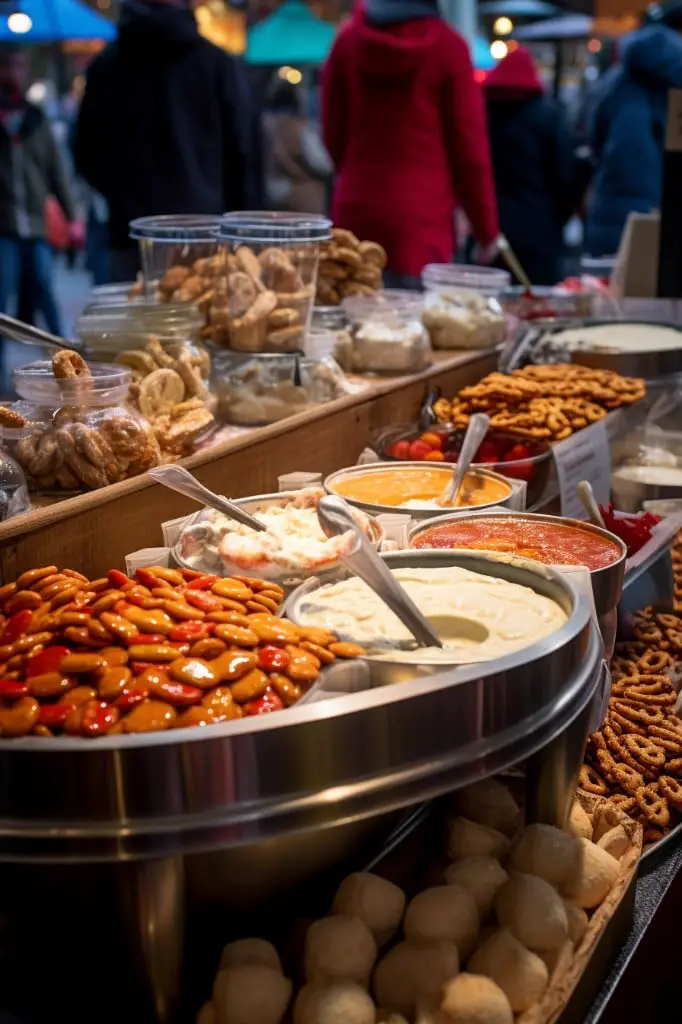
<point>654,661</point>
<point>624,725</point>
<point>645,750</point>
<point>669,739</point>
<point>668,621</point>
<point>628,778</point>
<point>591,781</point>
<point>624,667</point>
<point>671,790</point>
<point>654,835</point>
<point>653,806</point>
<point>624,802</point>
<point>674,766</point>
<point>68,365</point>
<point>639,714</point>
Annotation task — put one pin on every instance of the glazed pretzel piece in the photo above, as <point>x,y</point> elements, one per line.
<point>69,365</point>
<point>653,806</point>
<point>591,781</point>
<point>671,790</point>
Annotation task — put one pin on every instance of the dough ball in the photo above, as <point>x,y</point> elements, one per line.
<point>250,994</point>
<point>469,839</point>
<point>250,951</point>
<point>377,902</point>
<point>547,852</point>
<point>577,922</point>
<point>409,976</point>
<point>606,818</point>
<point>580,823</point>
<point>489,803</point>
<point>473,999</point>
<point>339,949</point>
<point>481,876</point>
<point>551,958</point>
<point>446,913</point>
<point>616,842</point>
<point>206,1014</point>
<point>533,912</point>
<point>594,874</point>
<point>521,975</point>
<point>341,1003</point>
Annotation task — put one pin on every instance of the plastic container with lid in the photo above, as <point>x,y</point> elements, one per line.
<point>387,335</point>
<point>254,390</point>
<point>461,305</point>
<point>79,433</point>
<point>14,497</point>
<point>264,300</point>
<point>178,254</point>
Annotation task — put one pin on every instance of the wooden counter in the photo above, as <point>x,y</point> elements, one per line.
<point>93,532</point>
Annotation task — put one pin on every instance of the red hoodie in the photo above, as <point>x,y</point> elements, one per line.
<point>404,122</point>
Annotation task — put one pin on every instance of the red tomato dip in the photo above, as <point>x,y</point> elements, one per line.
<point>551,543</point>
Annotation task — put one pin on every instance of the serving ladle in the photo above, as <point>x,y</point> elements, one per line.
<point>476,431</point>
<point>336,518</point>
<point>176,478</point>
<point>589,503</point>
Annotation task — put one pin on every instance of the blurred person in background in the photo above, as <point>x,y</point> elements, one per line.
<point>297,165</point>
<point>534,165</point>
<point>404,122</point>
<point>32,173</point>
<point>629,125</point>
<point>166,125</point>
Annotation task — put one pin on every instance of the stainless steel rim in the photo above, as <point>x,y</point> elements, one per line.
<point>645,364</point>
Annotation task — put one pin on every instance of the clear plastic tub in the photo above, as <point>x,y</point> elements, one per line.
<point>14,497</point>
<point>264,300</point>
<point>387,335</point>
<point>461,305</point>
<point>170,248</point>
<point>254,390</point>
<point>79,433</point>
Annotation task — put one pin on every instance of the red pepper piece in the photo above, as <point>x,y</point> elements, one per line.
<point>130,698</point>
<point>16,625</point>
<point>273,659</point>
<point>54,714</point>
<point>44,661</point>
<point>118,579</point>
<point>201,583</point>
<point>13,690</point>
<point>98,717</point>
<point>145,638</point>
<point>178,694</point>
<point>188,632</point>
<point>147,578</point>
<point>194,574</point>
<point>263,705</point>
<point>137,594</point>
<point>141,666</point>
<point>203,600</point>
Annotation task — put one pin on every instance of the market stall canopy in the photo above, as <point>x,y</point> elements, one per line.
<point>517,9</point>
<point>55,20</point>
<point>482,58</point>
<point>291,35</point>
<point>568,26</point>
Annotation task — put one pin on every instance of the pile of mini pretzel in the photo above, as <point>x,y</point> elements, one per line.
<point>635,759</point>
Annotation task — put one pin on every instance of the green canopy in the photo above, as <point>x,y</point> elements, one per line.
<point>291,35</point>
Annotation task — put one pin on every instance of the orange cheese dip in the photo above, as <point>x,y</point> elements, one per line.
<point>418,487</point>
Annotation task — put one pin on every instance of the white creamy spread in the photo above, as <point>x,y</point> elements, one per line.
<point>389,344</point>
<point>620,338</point>
<point>462,319</point>
<point>670,475</point>
<point>416,503</point>
<point>477,617</point>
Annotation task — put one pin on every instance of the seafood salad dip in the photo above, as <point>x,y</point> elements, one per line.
<point>293,541</point>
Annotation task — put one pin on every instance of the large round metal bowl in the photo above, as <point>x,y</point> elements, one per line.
<point>334,479</point>
<point>607,582</point>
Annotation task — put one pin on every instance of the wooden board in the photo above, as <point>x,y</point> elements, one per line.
<point>93,532</point>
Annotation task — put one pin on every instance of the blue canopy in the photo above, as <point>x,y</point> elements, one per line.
<point>290,35</point>
<point>482,60</point>
<point>56,20</point>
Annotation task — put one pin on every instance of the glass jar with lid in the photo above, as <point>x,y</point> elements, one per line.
<point>462,307</point>
<point>14,497</point>
<point>79,434</point>
<point>264,300</point>
<point>387,335</point>
<point>179,255</point>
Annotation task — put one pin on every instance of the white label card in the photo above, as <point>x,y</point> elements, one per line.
<point>584,455</point>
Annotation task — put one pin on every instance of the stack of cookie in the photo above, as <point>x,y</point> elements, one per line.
<point>348,267</point>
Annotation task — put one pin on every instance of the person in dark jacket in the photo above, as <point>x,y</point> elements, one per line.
<point>297,165</point>
<point>403,120</point>
<point>533,163</point>
<point>166,125</point>
<point>629,128</point>
<point>31,169</point>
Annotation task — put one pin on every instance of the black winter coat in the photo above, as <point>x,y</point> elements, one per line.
<point>535,179</point>
<point>167,123</point>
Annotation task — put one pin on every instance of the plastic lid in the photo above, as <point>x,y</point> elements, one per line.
<point>36,382</point>
<point>453,275</point>
<point>268,227</point>
<point>141,317</point>
<point>187,227</point>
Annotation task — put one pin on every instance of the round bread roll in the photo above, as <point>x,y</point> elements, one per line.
<point>377,902</point>
<point>594,874</point>
<point>533,912</point>
<point>250,951</point>
<point>577,922</point>
<point>341,1003</point>
<point>521,975</point>
<point>410,976</point>
<point>250,994</point>
<point>206,1014</point>
<point>339,949</point>
<point>473,999</point>
<point>481,876</point>
<point>489,803</point>
<point>547,852</point>
<point>616,842</point>
<point>445,913</point>
<point>580,823</point>
<point>469,839</point>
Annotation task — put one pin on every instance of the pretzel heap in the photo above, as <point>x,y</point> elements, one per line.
<point>636,756</point>
<point>676,553</point>
<point>542,402</point>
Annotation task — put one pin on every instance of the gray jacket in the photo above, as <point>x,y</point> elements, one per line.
<point>31,169</point>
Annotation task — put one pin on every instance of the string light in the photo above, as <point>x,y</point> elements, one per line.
<point>19,23</point>
<point>498,49</point>
<point>503,26</point>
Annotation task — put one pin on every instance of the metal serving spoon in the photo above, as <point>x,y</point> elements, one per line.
<point>175,478</point>
<point>589,503</point>
<point>17,330</point>
<point>476,431</point>
<point>335,519</point>
<point>512,261</point>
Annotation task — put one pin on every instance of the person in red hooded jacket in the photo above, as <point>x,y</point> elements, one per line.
<point>537,178</point>
<point>404,122</point>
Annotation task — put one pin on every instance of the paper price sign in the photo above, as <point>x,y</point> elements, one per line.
<point>584,455</point>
